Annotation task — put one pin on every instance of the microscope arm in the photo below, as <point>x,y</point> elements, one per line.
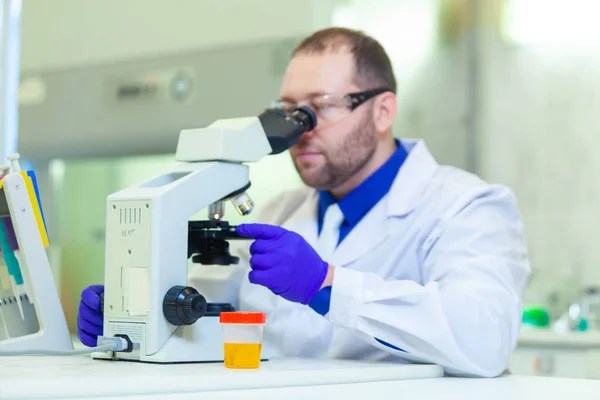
<point>244,139</point>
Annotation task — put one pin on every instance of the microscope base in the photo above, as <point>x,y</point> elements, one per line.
<point>200,342</point>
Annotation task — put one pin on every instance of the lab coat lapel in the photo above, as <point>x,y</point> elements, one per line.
<point>373,229</point>
<point>382,221</point>
<point>412,180</point>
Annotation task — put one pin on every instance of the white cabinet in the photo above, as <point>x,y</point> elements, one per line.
<point>546,353</point>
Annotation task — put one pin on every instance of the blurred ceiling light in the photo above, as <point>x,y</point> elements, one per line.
<point>343,15</point>
<point>551,22</point>
<point>406,28</point>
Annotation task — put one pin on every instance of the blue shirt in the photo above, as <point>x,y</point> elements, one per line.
<point>355,205</point>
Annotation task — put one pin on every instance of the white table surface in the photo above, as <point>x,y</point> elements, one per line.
<point>80,377</point>
<point>63,377</point>
<point>505,388</point>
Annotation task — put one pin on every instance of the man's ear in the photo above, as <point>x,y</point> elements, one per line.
<point>385,108</point>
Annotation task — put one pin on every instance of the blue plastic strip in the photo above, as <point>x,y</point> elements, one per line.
<point>31,174</point>
<point>10,259</point>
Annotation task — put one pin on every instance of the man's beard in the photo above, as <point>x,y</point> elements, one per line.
<point>351,155</point>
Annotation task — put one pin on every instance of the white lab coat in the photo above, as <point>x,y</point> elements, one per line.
<point>437,268</point>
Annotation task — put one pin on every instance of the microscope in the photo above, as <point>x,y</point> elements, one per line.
<point>150,238</point>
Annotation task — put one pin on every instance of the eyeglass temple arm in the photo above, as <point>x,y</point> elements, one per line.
<point>356,99</point>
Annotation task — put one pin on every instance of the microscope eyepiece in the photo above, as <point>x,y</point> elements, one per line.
<point>306,117</point>
<point>283,131</point>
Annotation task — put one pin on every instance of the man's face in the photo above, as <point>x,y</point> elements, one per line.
<point>333,152</point>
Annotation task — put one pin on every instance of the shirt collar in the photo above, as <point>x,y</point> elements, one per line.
<point>359,201</point>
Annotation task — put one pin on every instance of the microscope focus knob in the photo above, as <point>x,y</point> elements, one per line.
<point>183,305</point>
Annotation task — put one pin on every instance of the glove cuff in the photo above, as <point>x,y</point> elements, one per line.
<point>318,281</point>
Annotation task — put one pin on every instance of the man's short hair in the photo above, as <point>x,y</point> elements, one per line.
<point>373,67</point>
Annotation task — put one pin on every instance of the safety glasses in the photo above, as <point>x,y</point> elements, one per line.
<point>330,108</point>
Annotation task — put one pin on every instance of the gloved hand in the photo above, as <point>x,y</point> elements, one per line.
<point>284,262</point>
<point>89,318</point>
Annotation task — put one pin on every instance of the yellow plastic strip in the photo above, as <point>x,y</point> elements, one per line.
<point>36,208</point>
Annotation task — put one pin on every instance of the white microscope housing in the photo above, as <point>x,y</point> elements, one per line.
<point>148,229</point>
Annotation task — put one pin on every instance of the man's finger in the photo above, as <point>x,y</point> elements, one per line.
<point>84,309</point>
<point>88,326</point>
<point>263,261</point>
<point>91,296</point>
<point>256,277</point>
<point>87,339</point>
<point>262,246</point>
<point>260,231</point>
<point>268,279</point>
<point>259,247</point>
<point>263,278</point>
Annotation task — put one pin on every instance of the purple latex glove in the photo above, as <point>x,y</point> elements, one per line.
<point>89,319</point>
<point>284,262</point>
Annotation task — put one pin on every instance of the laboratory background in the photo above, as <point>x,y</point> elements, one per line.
<point>507,89</point>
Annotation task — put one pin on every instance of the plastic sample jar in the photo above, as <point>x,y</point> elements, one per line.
<point>242,338</point>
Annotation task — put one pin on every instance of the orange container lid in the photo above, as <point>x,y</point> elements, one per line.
<point>237,317</point>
